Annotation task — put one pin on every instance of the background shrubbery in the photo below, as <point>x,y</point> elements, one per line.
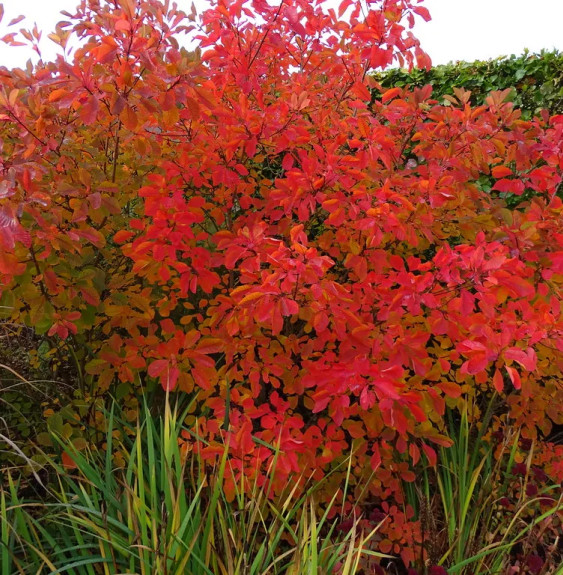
<point>535,80</point>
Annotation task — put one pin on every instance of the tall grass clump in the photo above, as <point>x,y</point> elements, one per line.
<point>484,508</point>
<point>142,505</point>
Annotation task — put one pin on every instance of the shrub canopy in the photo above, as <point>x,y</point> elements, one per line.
<point>324,273</point>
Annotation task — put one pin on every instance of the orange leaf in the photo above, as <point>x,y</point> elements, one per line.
<point>209,345</point>
<point>361,91</point>
<point>502,172</point>
<point>194,108</point>
<point>450,388</point>
<point>251,297</point>
<point>129,118</point>
<point>68,461</point>
<point>122,236</point>
<point>440,440</point>
<point>57,94</point>
<point>390,94</point>
<point>385,546</point>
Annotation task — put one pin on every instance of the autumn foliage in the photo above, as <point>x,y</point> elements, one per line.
<point>323,265</point>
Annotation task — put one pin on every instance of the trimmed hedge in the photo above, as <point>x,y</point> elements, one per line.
<point>536,80</point>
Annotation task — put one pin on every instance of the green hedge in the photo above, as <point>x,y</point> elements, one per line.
<point>536,80</point>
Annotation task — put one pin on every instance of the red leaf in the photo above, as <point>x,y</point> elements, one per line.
<point>509,187</point>
<point>320,322</point>
<point>343,6</point>
<point>294,23</point>
<point>414,452</point>
<point>289,307</point>
<point>361,91</point>
<point>169,379</point>
<point>467,303</point>
<point>123,24</point>
<point>408,476</point>
<point>477,363</point>
<point>201,377</point>
<point>157,367</point>
<point>287,162</point>
<point>514,377</point>
<point>430,454</point>
<point>527,359</point>
<point>375,458</point>
<point>498,381</point>
<point>386,388</point>
<point>89,110</point>
<point>423,12</point>
<point>518,285</point>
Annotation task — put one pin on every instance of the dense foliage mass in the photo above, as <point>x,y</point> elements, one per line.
<point>535,80</point>
<point>324,273</point>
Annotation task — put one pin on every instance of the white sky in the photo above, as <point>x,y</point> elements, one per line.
<point>459,30</point>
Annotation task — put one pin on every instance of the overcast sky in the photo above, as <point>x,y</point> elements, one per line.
<point>459,30</point>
